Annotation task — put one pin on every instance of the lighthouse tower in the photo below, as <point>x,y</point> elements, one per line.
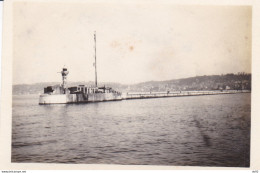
<point>64,74</point>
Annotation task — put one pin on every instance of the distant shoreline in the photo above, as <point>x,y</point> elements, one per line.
<point>199,83</point>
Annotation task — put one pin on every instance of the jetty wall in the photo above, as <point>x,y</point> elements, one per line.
<point>146,95</point>
<point>78,98</point>
<point>99,97</point>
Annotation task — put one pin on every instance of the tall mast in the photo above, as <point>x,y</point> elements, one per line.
<point>95,60</point>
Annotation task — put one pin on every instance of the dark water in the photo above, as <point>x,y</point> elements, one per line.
<point>195,131</point>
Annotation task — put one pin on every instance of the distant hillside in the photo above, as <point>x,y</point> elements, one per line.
<point>213,82</point>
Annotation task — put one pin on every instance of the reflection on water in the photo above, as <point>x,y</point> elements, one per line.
<point>195,131</point>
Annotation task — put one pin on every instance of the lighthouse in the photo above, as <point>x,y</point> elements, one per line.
<point>64,74</point>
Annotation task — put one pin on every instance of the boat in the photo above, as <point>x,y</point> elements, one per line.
<point>61,94</point>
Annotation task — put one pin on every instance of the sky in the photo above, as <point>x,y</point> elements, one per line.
<point>136,42</point>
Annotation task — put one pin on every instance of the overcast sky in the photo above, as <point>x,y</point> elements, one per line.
<point>135,42</point>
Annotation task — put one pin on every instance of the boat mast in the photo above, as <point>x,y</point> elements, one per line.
<point>95,60</point>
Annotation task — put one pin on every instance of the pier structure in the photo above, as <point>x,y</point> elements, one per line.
<point>84,94</point>
<point>147,95</point>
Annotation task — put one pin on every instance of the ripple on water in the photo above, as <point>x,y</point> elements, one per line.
<point>196,131</point>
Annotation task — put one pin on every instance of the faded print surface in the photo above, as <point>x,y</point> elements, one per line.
<point>136,42</point>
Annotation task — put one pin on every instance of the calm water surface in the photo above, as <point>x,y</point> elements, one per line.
<point>181,131</point>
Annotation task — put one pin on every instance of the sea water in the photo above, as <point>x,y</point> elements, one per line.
<point>212,130</point>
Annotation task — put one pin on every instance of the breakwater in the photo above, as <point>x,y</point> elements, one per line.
<point>146,95</point>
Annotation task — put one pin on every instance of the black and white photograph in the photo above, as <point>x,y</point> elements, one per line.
<point>131,83</point>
